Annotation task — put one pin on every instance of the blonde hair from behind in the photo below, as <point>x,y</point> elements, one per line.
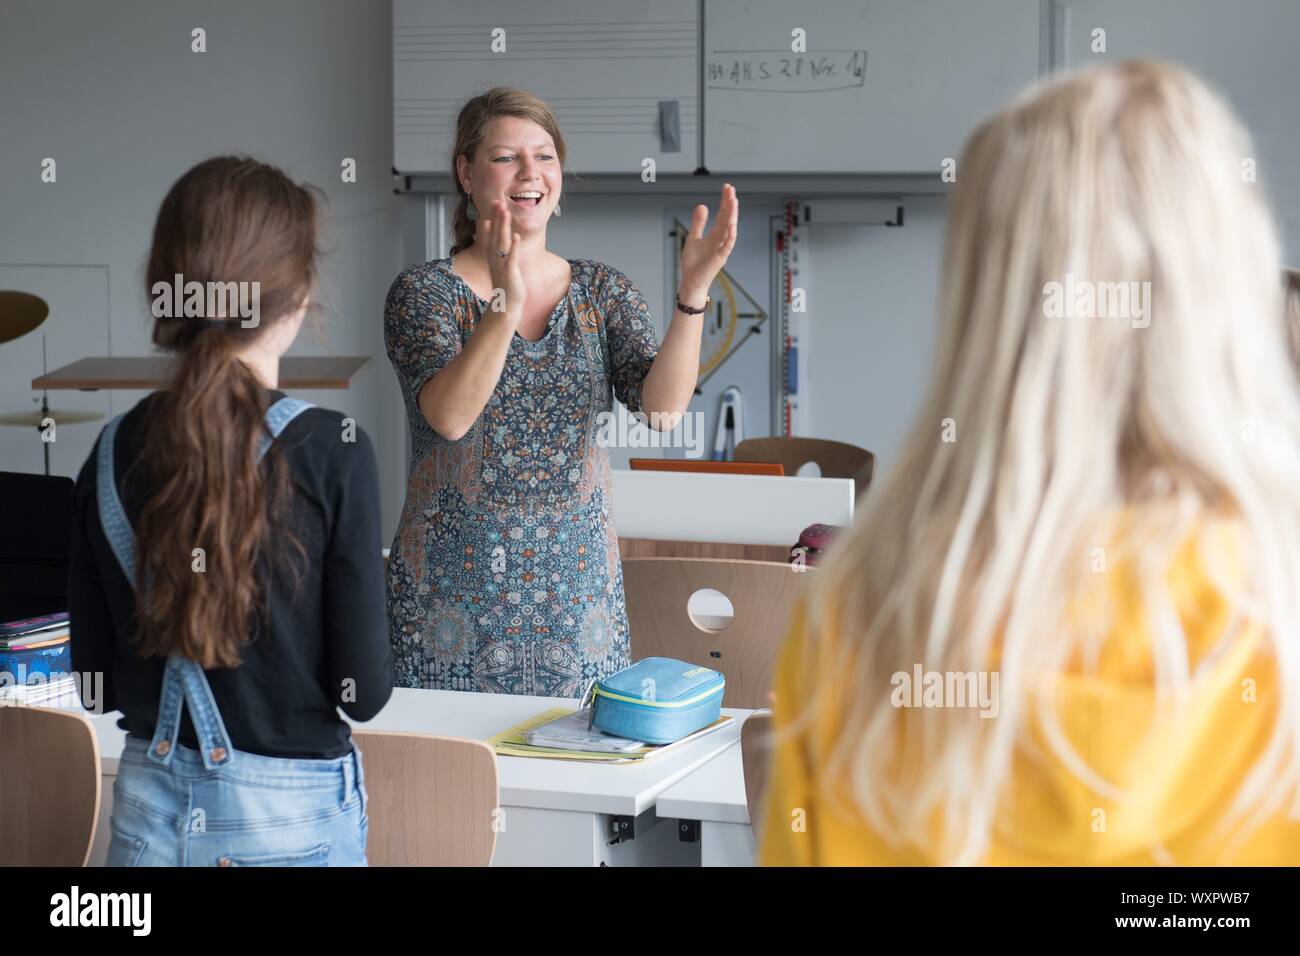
<point>971,551</point>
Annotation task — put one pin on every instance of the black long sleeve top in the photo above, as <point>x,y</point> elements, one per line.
<point>322,646</point>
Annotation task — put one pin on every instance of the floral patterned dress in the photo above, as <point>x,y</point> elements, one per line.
<point>504,575</point>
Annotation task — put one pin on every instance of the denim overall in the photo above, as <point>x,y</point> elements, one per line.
<point>218,806</point>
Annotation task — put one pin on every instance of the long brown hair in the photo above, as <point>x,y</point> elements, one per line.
<point>229,219</point>
<point>471,126</point>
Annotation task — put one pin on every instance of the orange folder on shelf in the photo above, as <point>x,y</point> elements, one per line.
<point>703,466</point>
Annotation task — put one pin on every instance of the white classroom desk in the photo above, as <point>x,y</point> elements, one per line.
<point>737,509</point>
<point>556,812</point>
<point>713,795</point>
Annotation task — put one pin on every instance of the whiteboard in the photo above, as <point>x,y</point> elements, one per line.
<point>604,68</point>
<point>889,86</point>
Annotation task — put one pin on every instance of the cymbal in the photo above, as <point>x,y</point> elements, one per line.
<point>34,419</point>
<point>20,312</point>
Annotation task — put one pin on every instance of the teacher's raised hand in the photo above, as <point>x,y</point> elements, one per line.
<point>503,262</point>
<point>704,255</point>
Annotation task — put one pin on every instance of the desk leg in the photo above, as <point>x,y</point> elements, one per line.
<point>534,837</point>
<point>727,844</point>
<point>655,843</point>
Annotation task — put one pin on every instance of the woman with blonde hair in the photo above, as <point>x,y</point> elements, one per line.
<point>1065,629</point>
<point>505,574</point>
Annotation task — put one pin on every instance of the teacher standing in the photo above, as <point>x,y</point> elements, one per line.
<point>505,573</point>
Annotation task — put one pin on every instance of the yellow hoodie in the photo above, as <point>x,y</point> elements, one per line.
<point>1176,783</point>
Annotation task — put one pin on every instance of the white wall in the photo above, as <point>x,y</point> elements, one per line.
<point>873,325</point>
<point>114,94</point>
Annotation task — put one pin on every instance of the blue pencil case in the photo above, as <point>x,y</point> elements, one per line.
<point>657,700</point>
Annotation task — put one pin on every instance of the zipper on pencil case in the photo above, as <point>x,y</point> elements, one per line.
<point>597,692</point>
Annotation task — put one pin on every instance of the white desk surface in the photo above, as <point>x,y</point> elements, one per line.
<point>740,509</point>
<point>714,792</point>
<point>625,789</point>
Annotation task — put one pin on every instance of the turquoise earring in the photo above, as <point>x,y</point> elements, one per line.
<point>471,212</point>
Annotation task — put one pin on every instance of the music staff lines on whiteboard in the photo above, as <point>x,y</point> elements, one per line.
<point>597,115</point>
<point>663,40</point>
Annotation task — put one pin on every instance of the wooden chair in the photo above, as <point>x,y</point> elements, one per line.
<point>434,801</point>
<point>755,754</point>
<point>835,459</point>
<point>663,548</point>
<point>762,594</point>
<point>49,787</point>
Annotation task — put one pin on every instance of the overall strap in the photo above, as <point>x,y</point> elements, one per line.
<point>111,513</point>
<point>185,683</point>
<point>112,516</point>
<point>183,680</point>
<point>278,416</point>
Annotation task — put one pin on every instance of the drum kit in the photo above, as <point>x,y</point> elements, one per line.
<point>20,313</point>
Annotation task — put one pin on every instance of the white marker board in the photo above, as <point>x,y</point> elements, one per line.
<point>1245,51</point>
<point>604,68</point>
<point>888,86</point>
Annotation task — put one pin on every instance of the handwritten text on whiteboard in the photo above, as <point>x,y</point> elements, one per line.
<point>781,71</point>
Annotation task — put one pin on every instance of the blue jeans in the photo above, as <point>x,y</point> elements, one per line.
<point>218,806</point>
<point>254,811</point>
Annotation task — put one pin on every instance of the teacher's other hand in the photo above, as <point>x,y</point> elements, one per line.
<point>703,256</point>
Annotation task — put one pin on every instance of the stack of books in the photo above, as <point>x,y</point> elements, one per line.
<point>35,662</point>
<point>48,630</point>
<point>563,734</point>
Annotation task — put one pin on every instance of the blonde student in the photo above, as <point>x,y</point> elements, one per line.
<point>1066,628</point>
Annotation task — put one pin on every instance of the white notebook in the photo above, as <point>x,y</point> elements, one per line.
<point>570,732</point>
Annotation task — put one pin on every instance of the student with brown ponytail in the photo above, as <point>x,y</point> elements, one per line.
<point>226,574</point>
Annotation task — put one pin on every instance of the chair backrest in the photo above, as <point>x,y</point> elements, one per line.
<point>664,548</point>
<point>762,595</point>
<point>835,459</point>
<point>433,801</point>
<point>755,754</point>
<point>49,787</point>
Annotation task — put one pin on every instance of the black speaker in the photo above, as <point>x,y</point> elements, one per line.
<point>35,541</point>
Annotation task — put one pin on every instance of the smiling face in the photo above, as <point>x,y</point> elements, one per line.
<point>517,163</point>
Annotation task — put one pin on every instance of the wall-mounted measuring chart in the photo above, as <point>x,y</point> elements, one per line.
<point>792,362</point>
